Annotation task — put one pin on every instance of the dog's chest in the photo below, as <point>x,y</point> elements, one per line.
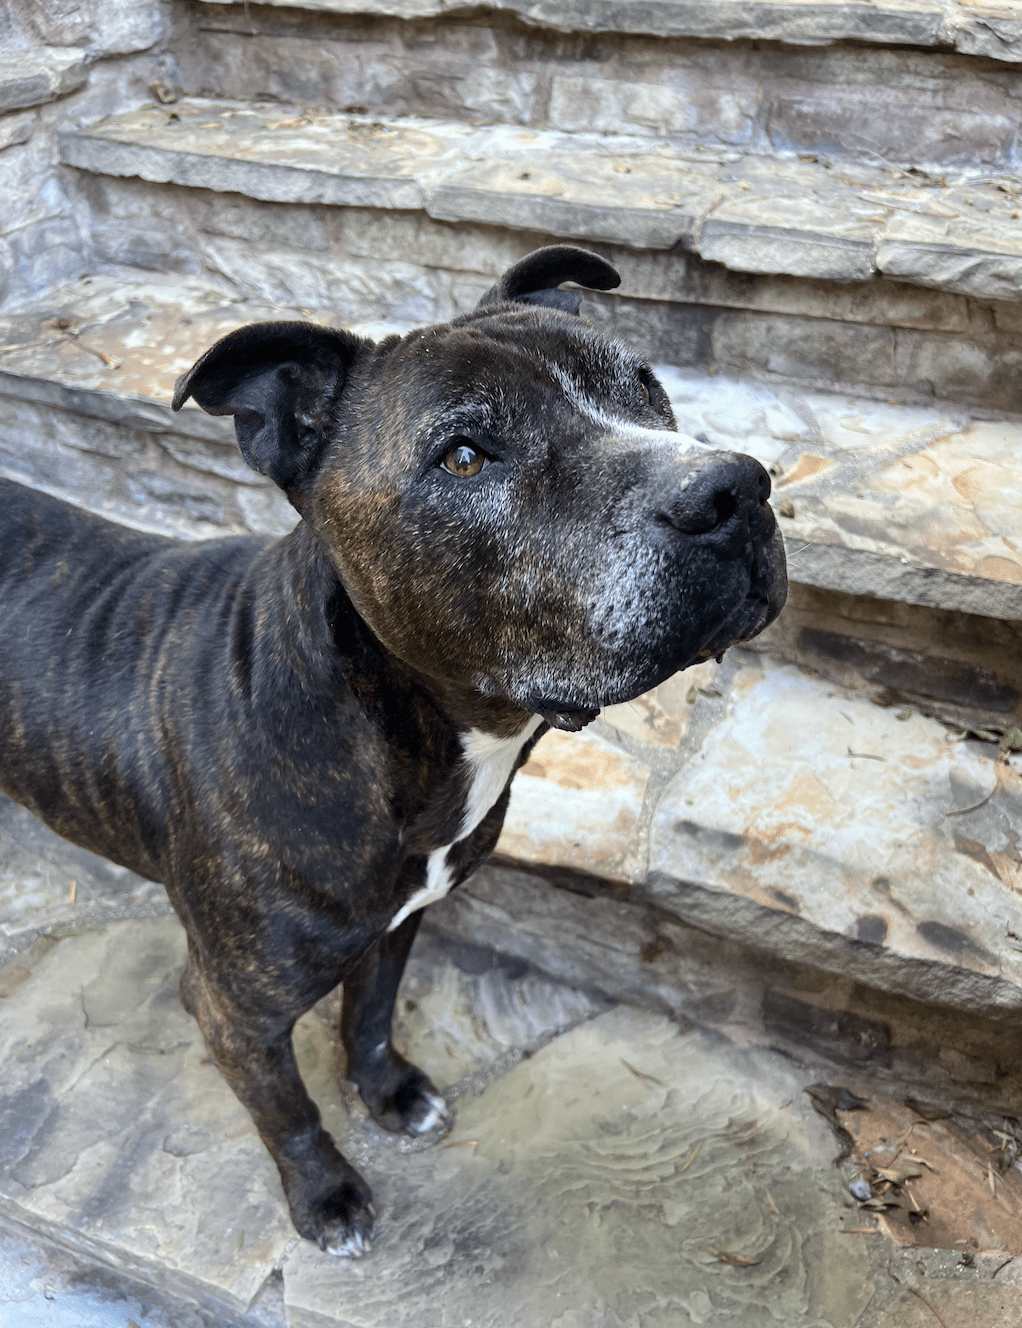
<point>489,762</point>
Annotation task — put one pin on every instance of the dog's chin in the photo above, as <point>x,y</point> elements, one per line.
<point>755,613</point>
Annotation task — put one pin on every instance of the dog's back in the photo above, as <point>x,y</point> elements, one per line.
<point>90,615</point>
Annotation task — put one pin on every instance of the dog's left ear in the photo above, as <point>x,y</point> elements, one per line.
<point>534,279</point>
<point>279,381</point>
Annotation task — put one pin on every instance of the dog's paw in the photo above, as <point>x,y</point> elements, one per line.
<point>421,1109</point>
<point>341,1222</point>
<point>406,1102</point>
<point>347,1226</point>
<point>330,1202</point>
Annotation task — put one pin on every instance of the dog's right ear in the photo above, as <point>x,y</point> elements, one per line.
<point>534,279</point>
<point>279,381</point>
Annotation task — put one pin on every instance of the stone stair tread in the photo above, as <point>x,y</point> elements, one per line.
<point>775,215</point>
<point>799,819</point>
<point>33,76</point>
<point>919,504</point>
<point>987,28</point>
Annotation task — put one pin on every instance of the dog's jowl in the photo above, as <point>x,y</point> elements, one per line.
<point>309,740</point>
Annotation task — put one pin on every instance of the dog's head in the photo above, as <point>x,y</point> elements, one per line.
<point>505,497</point>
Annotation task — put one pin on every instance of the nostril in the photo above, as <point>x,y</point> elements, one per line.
<point>725,505</point>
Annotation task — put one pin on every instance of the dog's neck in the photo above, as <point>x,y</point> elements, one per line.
<point>320,637</point>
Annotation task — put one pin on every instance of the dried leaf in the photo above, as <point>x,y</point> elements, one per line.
<point>770,1201</point>
<point>296,122</point>
<point>828,1100</point>
<point>899,1175</point>
<point>691,1157</point>
<point>647,1080</point>
<point>735,1260</point>
<point>866,756</point>
<point>880,1204</point>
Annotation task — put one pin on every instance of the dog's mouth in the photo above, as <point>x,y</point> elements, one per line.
<point>562,714</point>
<point>764,601</point>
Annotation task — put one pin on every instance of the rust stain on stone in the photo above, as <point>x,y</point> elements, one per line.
<point>572,765</point>
<point>1000,569</point>
<point>807,467</point>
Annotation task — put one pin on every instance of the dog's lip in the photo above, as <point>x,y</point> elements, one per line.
<point>562,714</point>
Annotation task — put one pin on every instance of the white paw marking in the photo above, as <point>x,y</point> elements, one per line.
<point>490,760</point>
<point>436,1115</point>
<point>352,1248</point>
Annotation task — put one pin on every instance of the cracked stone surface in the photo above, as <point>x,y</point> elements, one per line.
<point>912,503</point>
<point>992,29</point>
<point>751,213</point>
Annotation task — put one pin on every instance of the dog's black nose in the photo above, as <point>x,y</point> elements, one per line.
<point>729,485</point>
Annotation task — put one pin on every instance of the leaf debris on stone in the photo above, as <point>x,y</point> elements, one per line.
<point>828,1100</point>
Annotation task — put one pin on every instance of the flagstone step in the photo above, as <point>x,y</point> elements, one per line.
<point>992,29</point>
<point>752,214</point>
<point>760,803</point>
<point>914,504</point>
<point>623,1142</point>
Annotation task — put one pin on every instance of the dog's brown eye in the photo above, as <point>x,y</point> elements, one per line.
<point>464,461</point>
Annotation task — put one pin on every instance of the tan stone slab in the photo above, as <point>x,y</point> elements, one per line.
<point>577,802</point>
<point>753,214</point>
<point>986,28</point>
<point>816,826</point>
<point>599,1181</point>
<point>916,490</point>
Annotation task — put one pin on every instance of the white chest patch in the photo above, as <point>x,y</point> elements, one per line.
<point>489,761</point>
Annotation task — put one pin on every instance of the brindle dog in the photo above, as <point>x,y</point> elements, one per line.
<point>309,739</point>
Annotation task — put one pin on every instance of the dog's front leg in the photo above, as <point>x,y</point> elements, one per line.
<point>400,1097</point>
<point>330,1202</point>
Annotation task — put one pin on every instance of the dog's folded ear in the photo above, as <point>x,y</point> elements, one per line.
<point>534,279</point>
<point>279,381</point>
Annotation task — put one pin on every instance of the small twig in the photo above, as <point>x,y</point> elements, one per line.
<point>632,1070</point>
<point>28,345</point>
<point>920,1296</point>
<point>961,811</point>
<point>691,1157</point>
